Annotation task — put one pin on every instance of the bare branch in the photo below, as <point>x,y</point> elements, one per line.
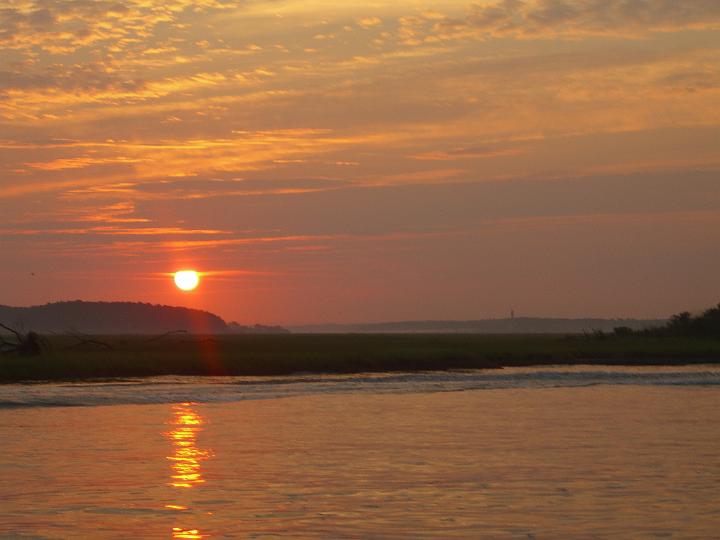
<point>17,334</point>
<point>82,340</point>
<point>166,334</point>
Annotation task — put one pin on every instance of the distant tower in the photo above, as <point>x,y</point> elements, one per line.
<point>512,313</point>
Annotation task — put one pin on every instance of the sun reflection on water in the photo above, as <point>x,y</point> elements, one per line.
<point>179,532</point>
<point>186,459</point>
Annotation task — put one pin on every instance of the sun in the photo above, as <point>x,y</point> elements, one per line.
<point>187,280</point>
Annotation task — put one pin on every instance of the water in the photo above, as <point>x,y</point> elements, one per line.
<point>229,389</point>
<point>582,452</point>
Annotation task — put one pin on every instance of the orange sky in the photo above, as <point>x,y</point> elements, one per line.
<point>363,161</point>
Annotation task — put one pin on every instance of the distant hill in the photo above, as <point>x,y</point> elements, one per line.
<point>121,318</point>
<point>518,325</point>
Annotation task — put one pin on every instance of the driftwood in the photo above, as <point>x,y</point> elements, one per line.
<point>166,334</point>
<point>25,344</point>
<point>33,344</point>
<point>84,340</point>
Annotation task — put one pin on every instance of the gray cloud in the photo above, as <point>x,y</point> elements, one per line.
<point>540,18</point>
<point>438,207</point>
<point>223,185</point>
<point>89,76</point>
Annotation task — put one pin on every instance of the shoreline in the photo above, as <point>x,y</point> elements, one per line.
<point>274,355</point>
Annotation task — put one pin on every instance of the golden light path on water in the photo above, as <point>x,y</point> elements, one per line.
<point>186,459</point>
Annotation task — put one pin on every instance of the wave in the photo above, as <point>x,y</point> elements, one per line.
<point>161,390</point>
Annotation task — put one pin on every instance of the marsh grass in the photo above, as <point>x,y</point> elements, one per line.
<point>137,356</point>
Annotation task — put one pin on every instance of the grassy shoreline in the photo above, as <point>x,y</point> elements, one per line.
<point>140,356</point>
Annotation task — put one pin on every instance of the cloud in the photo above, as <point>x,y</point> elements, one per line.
<point>552,18</point>
<point>63,26</point>
<point>223,186</point>
<point>477,152</point>
<point>369,22</point>
<point>86,78</point>
<point>121,212</point>
<point>78,163</point>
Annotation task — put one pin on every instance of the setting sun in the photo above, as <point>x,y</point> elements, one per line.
<point>187,280</point>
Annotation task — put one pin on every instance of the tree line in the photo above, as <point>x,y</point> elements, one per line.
<point>705,325</point>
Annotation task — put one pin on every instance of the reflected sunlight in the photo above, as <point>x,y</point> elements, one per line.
<point>179,532</point>
<point>185,458</point>
<point>186,455</point>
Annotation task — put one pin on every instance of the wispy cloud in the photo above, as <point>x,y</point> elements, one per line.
<point>78,163</point>
<point>478,152</point>
<point>552,18</point>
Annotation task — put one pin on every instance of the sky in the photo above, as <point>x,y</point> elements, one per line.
<point>323,161</point>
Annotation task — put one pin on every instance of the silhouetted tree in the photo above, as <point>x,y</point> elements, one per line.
<point>684,324</point>
<point>680,323</point>
<point>623,331</point>
<point>25,344</point>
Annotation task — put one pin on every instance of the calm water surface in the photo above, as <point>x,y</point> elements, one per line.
<point>527,453</point>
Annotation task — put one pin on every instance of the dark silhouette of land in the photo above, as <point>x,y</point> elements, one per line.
<point>684,339</point>
<point>515,325</point>
<point>704,326</point>
<point>283,354</point>
<point>105,318</point>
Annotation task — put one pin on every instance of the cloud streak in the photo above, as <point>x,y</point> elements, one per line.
<point>573,18</point>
